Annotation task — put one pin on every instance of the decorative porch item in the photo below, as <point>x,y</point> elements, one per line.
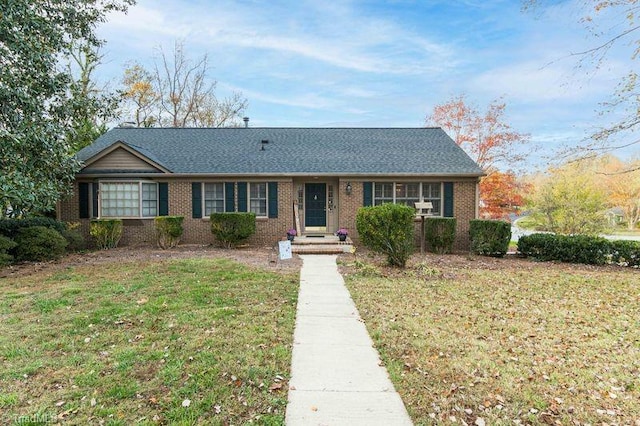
<point>291,234</point>
<point>342,234</point>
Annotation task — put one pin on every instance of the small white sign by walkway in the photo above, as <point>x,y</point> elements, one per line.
<point>284,247</point>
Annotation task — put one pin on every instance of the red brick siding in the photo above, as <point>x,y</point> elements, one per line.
<point>269,231</point>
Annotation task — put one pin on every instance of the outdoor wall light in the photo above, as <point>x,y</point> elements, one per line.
<point>348,188</point>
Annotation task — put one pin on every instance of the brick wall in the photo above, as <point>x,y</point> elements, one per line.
<point>269,231</point>
<point>464,209</point>
<point>196,231</point>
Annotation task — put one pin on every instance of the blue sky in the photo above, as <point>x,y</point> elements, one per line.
<point>351,63</point>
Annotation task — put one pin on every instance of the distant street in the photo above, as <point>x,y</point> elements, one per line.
<point>517,232</point>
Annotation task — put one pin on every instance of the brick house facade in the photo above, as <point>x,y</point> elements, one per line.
<point>137,174</point>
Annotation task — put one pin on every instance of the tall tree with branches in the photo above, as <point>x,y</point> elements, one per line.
<point>611,23</point>
<point>179,93</point>
<point>36,108</point>
<point>92,107</point>
<point>488,140</point>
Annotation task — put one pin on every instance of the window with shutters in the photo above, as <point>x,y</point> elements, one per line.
<point>258,198</point>
<point>128,199</point>
<point>213,198</point>
<point>409,193</point>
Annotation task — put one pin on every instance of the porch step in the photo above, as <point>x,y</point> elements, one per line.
<point>320,244</point>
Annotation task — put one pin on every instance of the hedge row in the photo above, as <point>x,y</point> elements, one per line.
<point>580,249</point>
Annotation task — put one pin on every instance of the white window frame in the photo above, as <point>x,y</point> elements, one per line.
<point>140,200</point>
<point>266,198</point>
<point>204,199</point>
<point>381,200</point>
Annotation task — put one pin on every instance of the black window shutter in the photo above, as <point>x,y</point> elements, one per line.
<point>196,200</point>
<point>163,199</point>
<point>367,194</point>
<point>273,199</point>
<point>448,199</point>
<point>83,200</point>
<point>229,197</point>
<point>242,197</point>
<point>95,187</point>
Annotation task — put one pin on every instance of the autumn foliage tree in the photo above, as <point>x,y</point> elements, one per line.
<point>571,199</point>
<point>501,194</point>
<point>621,181</point>
<point>489,141</point>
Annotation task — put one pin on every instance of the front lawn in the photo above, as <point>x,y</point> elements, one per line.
<point>505,341</point>
<point>193,341</point>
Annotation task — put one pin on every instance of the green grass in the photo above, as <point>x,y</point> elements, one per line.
<point>130,343</point>
<point>506,339</point>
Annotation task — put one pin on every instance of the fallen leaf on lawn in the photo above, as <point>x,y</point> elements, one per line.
<point>59,403</point>
<point>275,386</point>
<point>142,301</point>
<point>93,402</point>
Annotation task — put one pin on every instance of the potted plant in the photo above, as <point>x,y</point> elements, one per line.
<point>342,234</point>
<point>291,234</point>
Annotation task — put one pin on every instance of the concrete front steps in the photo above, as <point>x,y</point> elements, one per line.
<point>320,244</point>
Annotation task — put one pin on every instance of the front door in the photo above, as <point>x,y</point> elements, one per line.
<point>315,205</point>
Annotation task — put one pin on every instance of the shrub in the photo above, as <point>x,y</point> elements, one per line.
<point>625,253</point>
<point>387,229</point>
<point>11,227</point>
<point>440,233</point>
<point>232,228</point>
<point>580,249</point>
<point>39,243</point>
<point>490,237</point>
<point>106,232</point>
<point>75,240</point>
<point>6,245</point>
<point>168,230</point>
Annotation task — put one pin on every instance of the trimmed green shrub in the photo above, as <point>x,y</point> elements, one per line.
<point>168,230</point>
<point>11,227</point>
<point>387,229</point>
<point>440,234</point>
<point>580,249</point>
<point>39,243</point>
<point>232,228</point>
<point>75,240</point>
<point>625,253</point>
<point>106,232</point>
<point>6,245</point>
<point>490,237</point>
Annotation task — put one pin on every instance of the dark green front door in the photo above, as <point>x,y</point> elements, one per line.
<point>315,204</point>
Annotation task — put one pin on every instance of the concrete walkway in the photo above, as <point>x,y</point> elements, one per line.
<point>336,378</point>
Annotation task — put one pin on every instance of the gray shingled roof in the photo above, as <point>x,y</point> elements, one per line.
<point>295,151</point>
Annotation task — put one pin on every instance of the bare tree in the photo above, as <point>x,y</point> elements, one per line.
<point>179,93</point>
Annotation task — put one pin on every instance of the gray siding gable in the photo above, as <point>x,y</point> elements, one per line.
<point>295,151</point>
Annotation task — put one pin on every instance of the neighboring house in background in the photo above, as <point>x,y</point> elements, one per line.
<point>325,173</point>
